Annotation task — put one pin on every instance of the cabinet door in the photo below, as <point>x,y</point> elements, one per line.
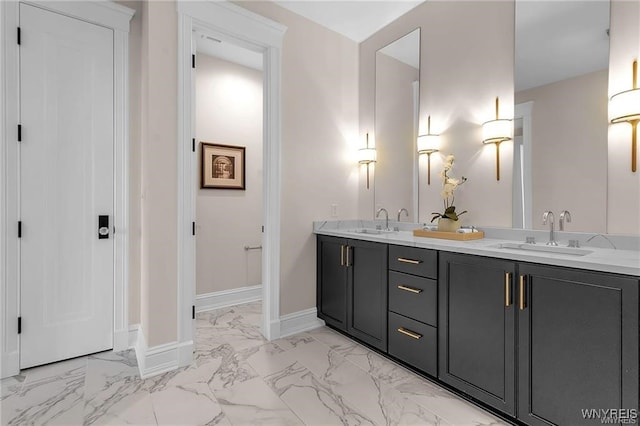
<point>578,345</point>
<point>367,312</point>
<point>477,328</point>
<point>331,297</point>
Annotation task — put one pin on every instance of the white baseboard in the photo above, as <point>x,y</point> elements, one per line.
<point>225,298</point>
<point>162,358</point>
<point>300,321</point>
<point>10,364</point>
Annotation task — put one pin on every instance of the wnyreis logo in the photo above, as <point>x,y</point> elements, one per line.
<point>627,416</point>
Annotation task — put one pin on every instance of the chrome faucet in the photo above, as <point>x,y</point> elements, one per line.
<point>552,236</point>
<point>386,219</point>
<point>564,215</point>
<point>406,213</point>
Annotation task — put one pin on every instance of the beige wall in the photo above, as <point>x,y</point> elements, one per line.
<point>569,150</point>
<point>466,61</point>
<point>394,138</point>
<point>159,173</point>
<point>319,140</point>
<point>623,214</point>
<point>229,112</point>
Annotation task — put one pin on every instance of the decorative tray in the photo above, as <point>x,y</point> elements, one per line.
<point>448,235</point>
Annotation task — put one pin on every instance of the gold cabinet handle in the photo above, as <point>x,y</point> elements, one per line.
<point>409,333</point>
<point>413,262</point>
<point>341,255</point>
<point>507,289</point>
<point>410,289</point>
<point>522,304</point>
<point>348,260</point>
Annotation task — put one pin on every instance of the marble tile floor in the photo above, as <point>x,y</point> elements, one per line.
<point>237,378</point>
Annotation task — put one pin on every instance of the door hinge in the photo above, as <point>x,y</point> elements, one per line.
<point>193,61</point>
<point>193,228</point>
<point>193,144</point>
<point>193,311</point>
<point>263,229</point>
<point>19,229</point>
<point>19,132</point>
<point>19,325</point>
<point>18,36</point>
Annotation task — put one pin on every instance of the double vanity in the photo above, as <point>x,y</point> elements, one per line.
<point>539,334</point>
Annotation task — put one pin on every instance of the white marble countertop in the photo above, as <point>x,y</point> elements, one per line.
<point>624,259</point>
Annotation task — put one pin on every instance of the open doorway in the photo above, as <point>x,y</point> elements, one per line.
<point>227,22</point>
<point>228,92</point>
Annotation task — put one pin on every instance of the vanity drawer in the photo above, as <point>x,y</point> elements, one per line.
<point>414,343</point>
<point>415,261</point>
<point>413,297</point>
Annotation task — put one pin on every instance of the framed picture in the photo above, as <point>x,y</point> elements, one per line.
<point>222,166</point>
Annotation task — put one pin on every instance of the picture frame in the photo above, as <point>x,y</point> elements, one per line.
<point>222,166</point>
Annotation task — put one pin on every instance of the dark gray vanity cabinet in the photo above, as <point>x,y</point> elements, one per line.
<point>413,307</point>
<point>331,288</point>
<point>352,288</point>
<point>578,344</point>
<point>477,328</point>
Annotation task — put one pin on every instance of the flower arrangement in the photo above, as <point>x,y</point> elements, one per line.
<point>449,185</point>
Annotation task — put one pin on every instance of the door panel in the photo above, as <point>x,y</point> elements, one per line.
<point>367,313</point>
<point>66,180</point>
<point>578,345</point>
<point>477,329</point>
<point>332,281</point>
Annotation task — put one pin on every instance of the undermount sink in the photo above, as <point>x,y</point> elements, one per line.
<point>371,231</point>
<point>573,251</point>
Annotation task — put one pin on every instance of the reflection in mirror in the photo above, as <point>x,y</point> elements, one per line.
<point>396,119</point>
<point>560,143</point>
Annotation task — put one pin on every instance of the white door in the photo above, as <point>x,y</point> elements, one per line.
<point>66,182</point>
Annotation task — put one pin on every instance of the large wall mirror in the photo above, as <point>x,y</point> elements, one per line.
<point>397,72</point>
<point>561,126</point>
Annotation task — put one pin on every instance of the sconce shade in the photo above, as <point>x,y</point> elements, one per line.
<point>428,144</point>
<point>496,131</point>
<point>625,106</point>
<point>366,155</point>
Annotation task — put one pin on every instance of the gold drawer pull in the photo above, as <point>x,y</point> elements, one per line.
<point>411,334</point>
<point>410,289</point>
<point>413,262</point>
<point>507,289</point>
<point>522,303</point>
<point>341,255</point>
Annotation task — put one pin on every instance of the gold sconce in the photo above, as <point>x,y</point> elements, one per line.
<point>367,156</point>
<point>428,144</point>
<point>497,131</point>
<point>625,107</point>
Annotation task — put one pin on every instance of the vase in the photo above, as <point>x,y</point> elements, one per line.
<point>448,225</point>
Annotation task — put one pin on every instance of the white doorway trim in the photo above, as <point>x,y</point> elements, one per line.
<point>525,111</point>
<point>117,18</point>
<point>230,23</point>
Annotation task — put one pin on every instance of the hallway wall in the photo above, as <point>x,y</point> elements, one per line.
<point>229,112</point>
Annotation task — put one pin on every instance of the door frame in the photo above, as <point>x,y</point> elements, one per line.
<point>106,14</point>
<point>231,23</point>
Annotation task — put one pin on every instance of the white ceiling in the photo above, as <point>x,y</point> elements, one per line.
<point>355,19</point>
<point>405,49</point>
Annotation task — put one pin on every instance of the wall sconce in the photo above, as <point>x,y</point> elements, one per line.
<point>367,156</point>
<point>625,107</point>
<point>497,131</point>
<point>428,144</point>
